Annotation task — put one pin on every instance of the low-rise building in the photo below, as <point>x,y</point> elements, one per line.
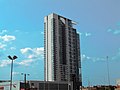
<point>37,85</point>
<point>50,85</point>
<point>118,84</point>
<point>6,85</point>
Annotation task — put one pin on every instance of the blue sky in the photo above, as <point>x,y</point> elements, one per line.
<point>21,34</point>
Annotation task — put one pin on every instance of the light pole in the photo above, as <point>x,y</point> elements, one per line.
<point>108,71</point>
<point>25,79</point>
<point>11,58</point>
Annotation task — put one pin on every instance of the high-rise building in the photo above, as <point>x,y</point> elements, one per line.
<point>61,50</point>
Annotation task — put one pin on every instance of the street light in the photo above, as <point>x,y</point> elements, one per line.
<point>25,78</point>
<point>11,58</point>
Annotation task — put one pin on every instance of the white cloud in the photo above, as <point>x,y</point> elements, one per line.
<point>116,56</point>
<point>109,30</point>
<point>2,46</point>
<point>12,48</point>
<point>4,63</point>
<point>84,57</point>
<point>115,30</point>
<point>25,50</point>
<point>15,73</point>
<point>94,59</point>
<point>3,31</point>
<point>88,34</point>
<point>33,53</point>
<point>25,62</point>
<point>7,38</point>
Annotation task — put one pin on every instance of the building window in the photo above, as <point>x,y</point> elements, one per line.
<point>32,84</point>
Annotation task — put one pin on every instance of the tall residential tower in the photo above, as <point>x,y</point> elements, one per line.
<point>61,50</point>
